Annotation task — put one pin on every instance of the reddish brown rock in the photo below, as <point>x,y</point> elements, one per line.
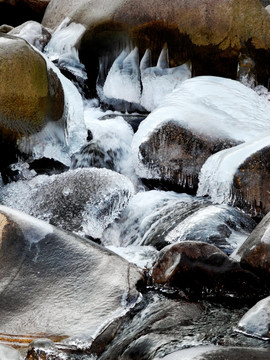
<point>250,183</point>
<point>197,266</point>
<point>210,33</point>
<point>174,155</point>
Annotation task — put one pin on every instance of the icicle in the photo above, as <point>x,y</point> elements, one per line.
<point>163,60</point>
<point>146,60</point>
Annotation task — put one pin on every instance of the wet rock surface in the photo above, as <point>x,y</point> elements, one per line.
<point>195,266</point>
<point>249,183</point>
<point>50,279</point>
<point>213,44</point>
<point>219,353</point>
<point>256,322</point>
<point>254,253</point>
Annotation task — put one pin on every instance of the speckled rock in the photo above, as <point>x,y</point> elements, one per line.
<point>30,95</point>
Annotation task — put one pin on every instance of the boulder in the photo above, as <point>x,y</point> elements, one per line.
<point>202,116</point>
<point>198,266</point>
<point>158,321</point>
<point>249,187</point>
<point>34,33</point>
<point>158,218</point>
<point>219,352</point>
<point>210,34</point>
<point>256,322</point>
<point>84,201</point>
<point>254,253</point>
<point>8,353</point>
<point>57,284</point>
<point>26,109</point>
<point>15,12</point>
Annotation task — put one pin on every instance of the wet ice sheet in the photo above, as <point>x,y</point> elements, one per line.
<point>83,200</point>
<point>223,226</point>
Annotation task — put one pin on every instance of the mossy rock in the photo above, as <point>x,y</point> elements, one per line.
<point>30,95</point>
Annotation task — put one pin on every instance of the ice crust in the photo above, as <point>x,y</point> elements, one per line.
<point>142,83</point>
<point>83,200</point>
<point>215,108</point>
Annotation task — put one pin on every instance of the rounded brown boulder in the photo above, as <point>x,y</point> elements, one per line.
<point>30,94</point>
<point>209,33</point>
<point>196,266</point>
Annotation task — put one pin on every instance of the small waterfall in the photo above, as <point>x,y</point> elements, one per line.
<point>62,47</point>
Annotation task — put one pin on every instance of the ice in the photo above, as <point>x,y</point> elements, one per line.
<point>159,81</point>
<point>217,173</point>
<point>62,47</point>
<point>256,321</point>
<point>209,106</point>
<point>32,32</point>
<point>113,137</point>
<point>221,225</point>
<point>54,141</point>
<point>142,256</point>
<point>148,217</point>
<point>84,201</point>
<point>123,79</point>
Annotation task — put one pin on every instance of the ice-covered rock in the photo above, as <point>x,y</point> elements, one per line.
<point>201,117</point>
<point>149,217</point>
<point>239,175</point>
<point>84,201</point>
<point>220,225</point>
<point>54,283</point>
<point>256,322</point>
<point>159,218</point>
<point>34,33</point>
